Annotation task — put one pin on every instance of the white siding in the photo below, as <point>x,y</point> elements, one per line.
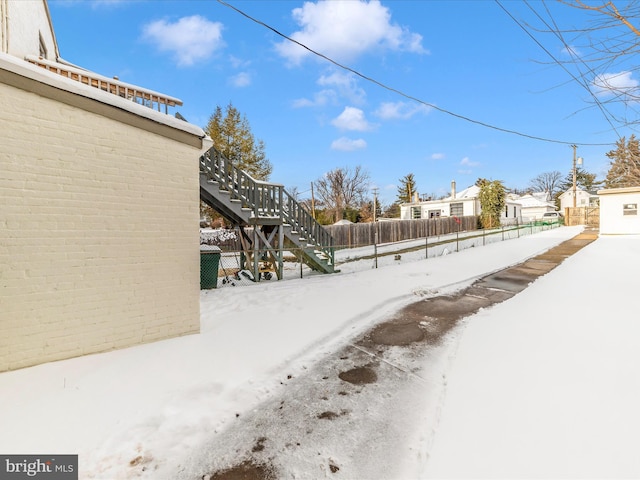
<point>24,23</point>
<point>613,221</point>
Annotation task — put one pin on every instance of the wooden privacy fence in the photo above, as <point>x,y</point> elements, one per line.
<point>361,234</point>
<point>582,216</point>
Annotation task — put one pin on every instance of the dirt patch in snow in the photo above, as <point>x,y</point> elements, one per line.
<point>245,471</point>
<point>359,375</point>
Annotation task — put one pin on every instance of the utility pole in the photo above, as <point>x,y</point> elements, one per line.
<point>375,226</point>
<point>574,175</point>
<point>313,203</point>
<point>576,161</point>
<point>375,203</point>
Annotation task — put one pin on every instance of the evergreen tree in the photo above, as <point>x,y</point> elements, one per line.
<point>407,188</point>
<point>492,198</point>
<point>392,211</point>
<point>584,180</point>
<point>624,170</point>
<point>231,135</point>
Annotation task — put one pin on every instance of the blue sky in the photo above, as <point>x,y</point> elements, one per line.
<point>469,59</point>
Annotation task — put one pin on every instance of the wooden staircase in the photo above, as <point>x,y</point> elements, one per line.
<point>271,221</point>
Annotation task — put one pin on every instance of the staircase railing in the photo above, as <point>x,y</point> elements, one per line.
<point>263,198</point>
<point>302,222</point>
<point>266,200</point>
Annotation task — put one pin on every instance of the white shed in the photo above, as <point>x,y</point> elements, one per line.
<point>619,211</point>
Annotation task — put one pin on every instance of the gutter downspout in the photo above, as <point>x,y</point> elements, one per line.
<point>4,35</point>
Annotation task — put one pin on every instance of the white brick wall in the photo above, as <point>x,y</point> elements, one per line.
<point>98,233</point>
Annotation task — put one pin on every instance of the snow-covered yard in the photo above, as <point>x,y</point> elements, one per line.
<point>543,385</point>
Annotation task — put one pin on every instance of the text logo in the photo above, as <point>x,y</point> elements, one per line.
<point>38,467</point>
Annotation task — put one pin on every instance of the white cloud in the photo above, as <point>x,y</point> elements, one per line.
<point>345,30</point>
<point>437,156</point>
<point>321,98</point>
<point>190,39</point>
<point>346,85</point>
<point>620,83</point>
<point>400,110</point>
<point>467,162</point>
<point>348,145</point>
<point>352,119</point>
<point>238,62</point>
<point>241,79</point>
<point>340,86</point>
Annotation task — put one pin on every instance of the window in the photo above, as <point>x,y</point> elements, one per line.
<point>630,209</point>
<point>434,213</point>
<point>506,211</point>
<point>416,213</point>
<point>456,209</point>
<point>515,211</point>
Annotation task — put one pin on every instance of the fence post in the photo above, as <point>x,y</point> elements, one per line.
<point>301,254</point>
<point>375,246</point>
<point>426,244</point>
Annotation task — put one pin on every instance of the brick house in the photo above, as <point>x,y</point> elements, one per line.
<point>99,233</point>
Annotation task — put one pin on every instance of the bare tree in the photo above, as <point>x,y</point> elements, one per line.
<point>550,182</point>
<point>342,188</point>
<point>603,55</point>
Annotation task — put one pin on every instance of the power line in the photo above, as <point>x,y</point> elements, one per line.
<point>583,83</point>
<point>399,92</point>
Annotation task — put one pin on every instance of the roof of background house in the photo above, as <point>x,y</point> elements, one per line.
<point>471,192</point>
<point>531,200</point>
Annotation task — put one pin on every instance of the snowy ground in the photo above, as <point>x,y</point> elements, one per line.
<point>543,385</point>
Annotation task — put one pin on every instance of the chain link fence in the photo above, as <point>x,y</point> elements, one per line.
<point>232,271</point>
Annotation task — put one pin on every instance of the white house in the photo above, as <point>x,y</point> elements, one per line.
<point>583,199</point>
<point>26,29</point>
<point>535,205</point>
<point>458,204</point>
<point>619,211</point>
<point>88,173</point>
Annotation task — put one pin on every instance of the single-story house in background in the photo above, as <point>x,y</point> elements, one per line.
<point>88,173</point>
<point>535,205</point>
<point>583,199</point>
<point>458,204</point>
<point>619,211</point>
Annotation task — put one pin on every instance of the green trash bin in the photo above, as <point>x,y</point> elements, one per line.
<point>209,261</point>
